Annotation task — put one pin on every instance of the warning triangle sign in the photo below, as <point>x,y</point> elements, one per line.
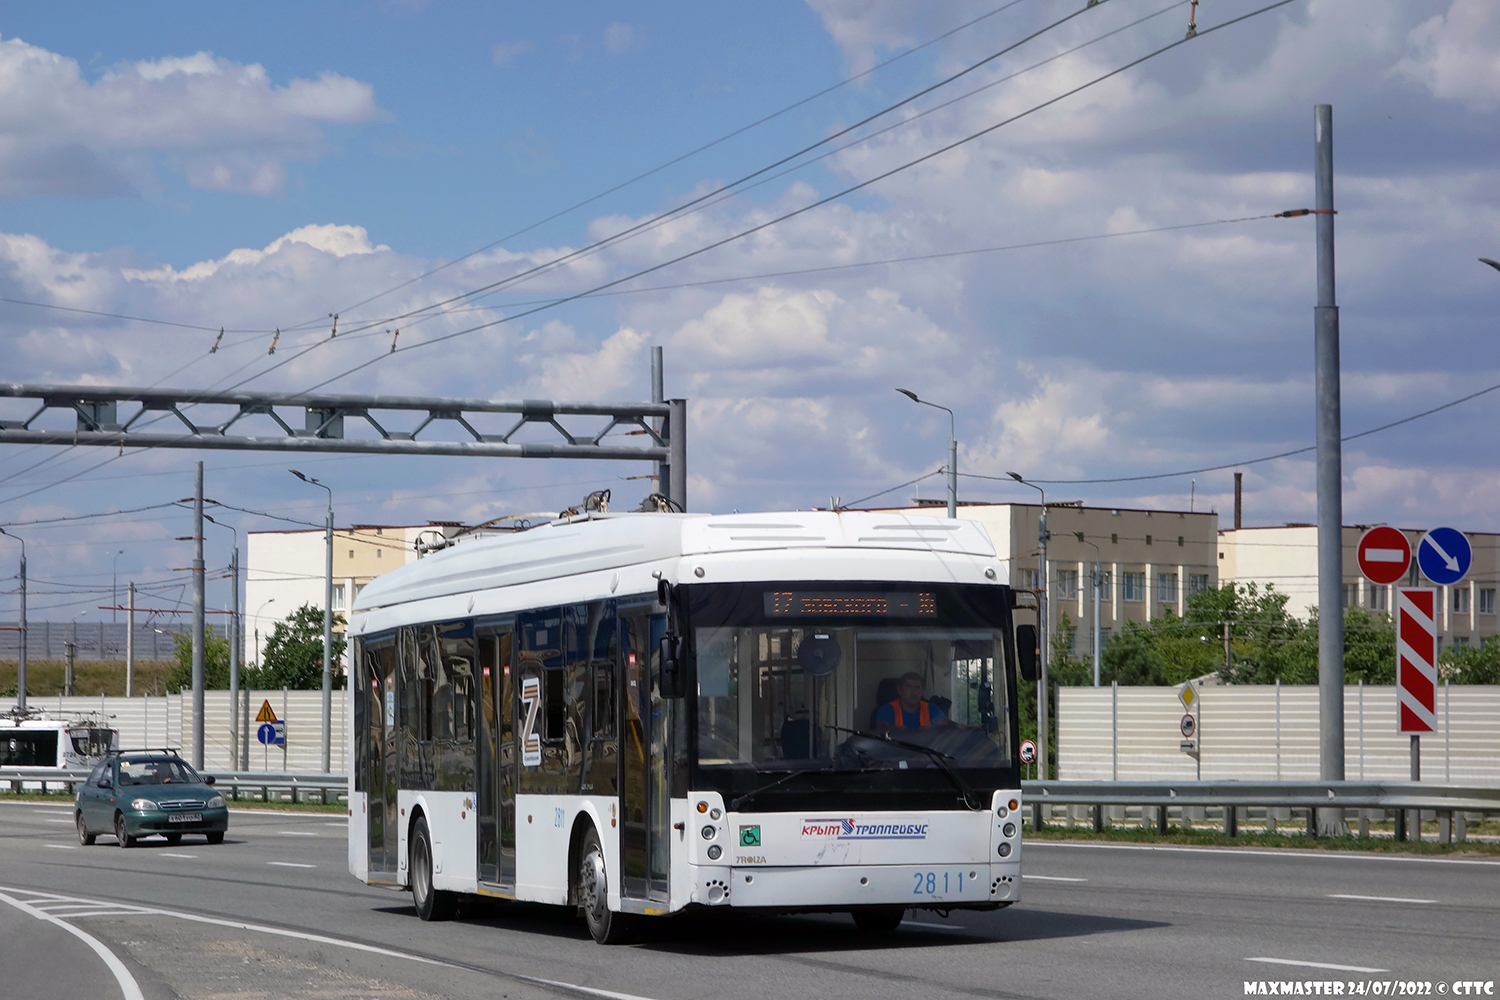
<point>265,714</point>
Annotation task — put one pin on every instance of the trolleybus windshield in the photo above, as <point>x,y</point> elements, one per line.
<point>809,677</point>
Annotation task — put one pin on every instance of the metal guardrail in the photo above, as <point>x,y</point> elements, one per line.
<point>1448,802</point>
<point>234,784</point>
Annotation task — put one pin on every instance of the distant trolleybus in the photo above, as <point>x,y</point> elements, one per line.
<point>637,714</point>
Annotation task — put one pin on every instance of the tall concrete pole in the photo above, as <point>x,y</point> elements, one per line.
<point>25,636</point>
<point>659,395</point>
<point>952,474</point>
<point>328,641</point>
<point>1043,713</point>
<point>1330,485</point>
<point>234,658</point>
<point>677,427</point>
<point>130,640</point>
<point>198,617</point>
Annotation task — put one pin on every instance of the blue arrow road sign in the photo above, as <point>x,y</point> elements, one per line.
<point>272,734</point>
<point>1444,555</point>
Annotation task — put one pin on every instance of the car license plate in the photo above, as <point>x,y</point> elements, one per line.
<point>185,818</point>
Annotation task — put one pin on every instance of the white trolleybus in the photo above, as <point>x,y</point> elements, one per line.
<point>638,714</point>
<point>31,738</point>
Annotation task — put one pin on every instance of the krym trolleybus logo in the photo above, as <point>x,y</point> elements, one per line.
<point>848,829</point>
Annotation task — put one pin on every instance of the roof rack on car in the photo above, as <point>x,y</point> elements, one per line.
<point>173,751</point>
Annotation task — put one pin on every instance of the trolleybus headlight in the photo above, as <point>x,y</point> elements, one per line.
<point>1002,812</point>
<point>715,814</point>
<point>1005,850</point>
<point>708,832</point>
<point>1010,830</point>
<point>714,851</point>
<point>143,804</point>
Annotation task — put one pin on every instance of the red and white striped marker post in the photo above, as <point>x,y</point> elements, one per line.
<point>1416,660</point>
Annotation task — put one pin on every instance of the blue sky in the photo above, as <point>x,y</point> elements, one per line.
<point>256,168</point>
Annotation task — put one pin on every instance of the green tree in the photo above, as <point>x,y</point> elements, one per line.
<point>293,655</point>
<point>1471,664</point>
<point>215,662</point>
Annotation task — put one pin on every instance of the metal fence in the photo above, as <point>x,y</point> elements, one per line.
<point>94,640</point>
<point>1270,733</point>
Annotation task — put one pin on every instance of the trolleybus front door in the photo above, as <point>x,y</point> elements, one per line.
<point>379,760</point>
<point>497,762</point>
<point>645,794</point>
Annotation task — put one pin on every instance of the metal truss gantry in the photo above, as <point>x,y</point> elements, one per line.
<point>101,420</point>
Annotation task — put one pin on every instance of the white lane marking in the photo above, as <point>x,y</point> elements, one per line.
<point>129,988</point>
<point>1290,852</point>
<point>289,864</point>
<point>62,847</point>
<point>611,994</point>
<point>1378,899</point>
<point>68,822</point>
<point>316,939</point>
<point>54,812</point>
<point>295,833</point>
<point>1054,878</point>
<point>168,854</point>
<point>1315,965</point>
<point>343,823</point>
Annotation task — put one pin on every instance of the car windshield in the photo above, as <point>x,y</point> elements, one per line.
<point>885,678</point>
<point>157,771</point>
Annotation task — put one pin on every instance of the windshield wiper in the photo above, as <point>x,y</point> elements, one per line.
<point>938,757</point>
<point>738,801</point>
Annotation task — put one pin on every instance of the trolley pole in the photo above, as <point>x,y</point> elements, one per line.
<point>1330,484</point>
<point>198,617</point>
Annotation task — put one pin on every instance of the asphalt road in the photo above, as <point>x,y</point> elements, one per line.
<point>273,913</point>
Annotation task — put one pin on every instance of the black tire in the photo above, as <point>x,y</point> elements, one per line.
<point>123,838</point>
<point>591,890</point>
<point>878,919</point>
<point>432,904</point>
<point>84,837</point>
<point>216,837</point>
<point>173,838</point>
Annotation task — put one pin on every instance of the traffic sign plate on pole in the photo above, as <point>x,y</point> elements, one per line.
<point>1028,752</point>
<point>1384,555</point>
<point>1187,696</point>
<point>1416,660</point>
<point>1444,555</point>
<point>272,734</point>
<point>1189,726</point>
<point>266,713</point>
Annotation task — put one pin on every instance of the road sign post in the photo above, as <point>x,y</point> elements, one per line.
<point>1416,674</point>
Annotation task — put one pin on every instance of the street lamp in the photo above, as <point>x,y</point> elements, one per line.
<point>235,635</point>
<point>1098,593</point>
<point>952,450</point>
<point>1042,639</point>
<point>21,658</point>
<point>1491,263</point>
<point>327,624</point>
<point>256,617</point>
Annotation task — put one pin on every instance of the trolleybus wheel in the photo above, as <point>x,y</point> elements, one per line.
<point>878,919</point>
<point>122,836</point>
<point>432,904</point>
<point>84,837</point>
<point>606,926</point>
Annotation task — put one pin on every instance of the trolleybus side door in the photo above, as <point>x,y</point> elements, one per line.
<point>497,758</point>
<point>645,794</point>
<point>379,757</point>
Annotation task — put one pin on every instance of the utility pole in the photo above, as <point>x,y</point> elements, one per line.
<point>69,647</point>
<point>21,657</point>
<point>1226,651</point>
<point>327,641</point>
<point>1042,629</point>
<point>1330,484</point>
<point>234,657</point>
<point>659,395</point>
<point>198,617</point>
<point>130,640</point>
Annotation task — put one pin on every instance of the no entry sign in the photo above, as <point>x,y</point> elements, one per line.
<point>1416,660</point>
<point>1384,555</point>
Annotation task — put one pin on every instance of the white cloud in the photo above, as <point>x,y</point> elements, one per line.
<point>1457,55</point>
<point>620,38</point>
<point>505,53</point>
<point>223,125</point>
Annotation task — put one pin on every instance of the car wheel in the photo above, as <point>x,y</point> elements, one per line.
<point>173,838</point>
<point>122,835</point>
<point>878,919</point>
<point>84,837</point>
<point>216,837</point>
<point>432,904</point>
<point>591,890</point>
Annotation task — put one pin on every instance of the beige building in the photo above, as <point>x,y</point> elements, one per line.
<point>286,569</point>
<point>1287,558</point>
<point>1151,560</point>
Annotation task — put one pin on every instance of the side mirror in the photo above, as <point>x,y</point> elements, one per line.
<point>673,670</point>
<point>663,591</point>
<point>1026,647</point>
<point>105,783</point>
<point>208,779</point>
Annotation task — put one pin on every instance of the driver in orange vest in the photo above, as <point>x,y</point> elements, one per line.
<point>910,710</point>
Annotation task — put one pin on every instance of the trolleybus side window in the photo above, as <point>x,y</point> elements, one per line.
<point>29,748</point>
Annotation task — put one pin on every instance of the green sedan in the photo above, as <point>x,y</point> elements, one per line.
<point>138,793</point>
